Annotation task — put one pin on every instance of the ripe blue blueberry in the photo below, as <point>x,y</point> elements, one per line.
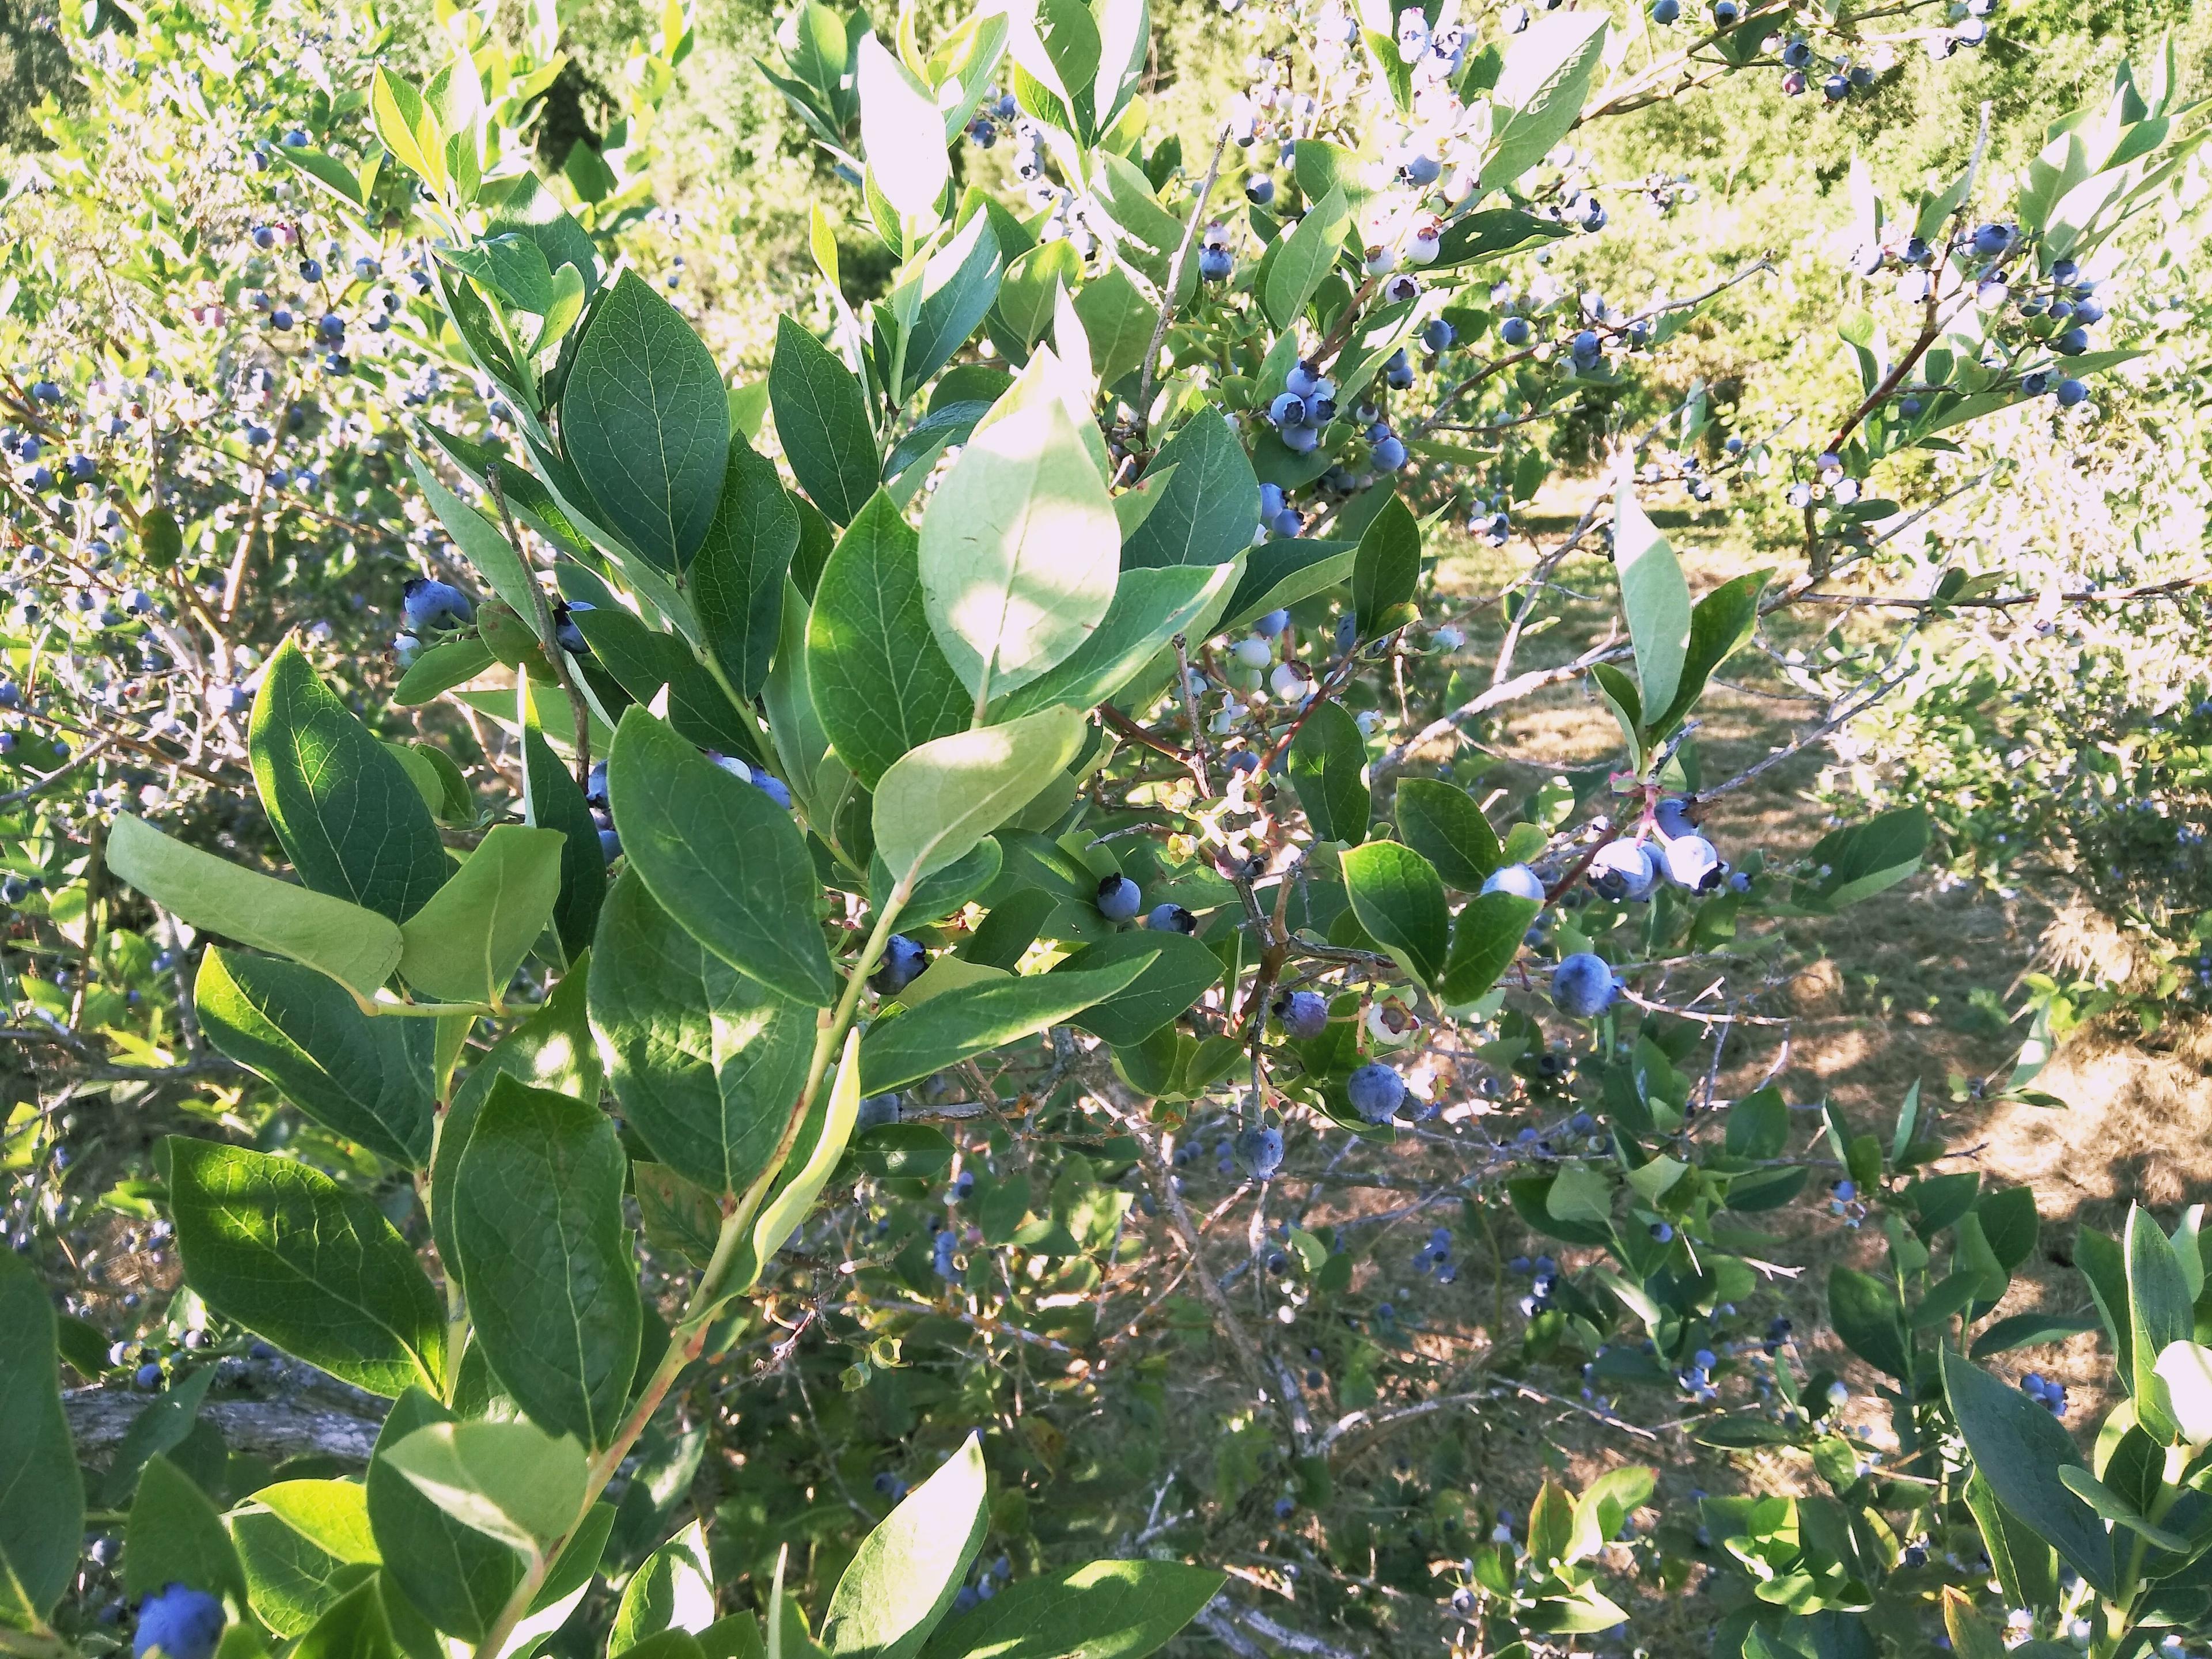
<point>1398,372</point>
<point>295,138</point>
<point>904,961</point>
<point>610,846</point>
<point>2073,343</point>
<point>1662,1231</point>
<point>1260,190</point>
<point>1514,330</point>
<point>147,1376</point>
<point>1693,865</point>
<point>1214,264</point>
<point>2063,271</point>
<point>1301,440</point>
<point>1260,1152</point>
<point>1390,454</point>
<point>1377,1092</point>
<point>773,788</point>
<point>1287,522</point>
<point>1119,898</point>
<point>1305,1014</point>
<point>280,319</point>
<point>1586,346</point>
<point>332,327</point>
<point>1303,380</point>
<point>1672,815</point>
<point>1990,240</point>
<point>1582,986</point>
<point>1289,409</point>
<point>1797,53</point>
<point>2071,392</point>
<point>427,602</point>
<point>264,237</point>
<point>1438,335</point>
<point>1172,919</point>
<point>1625,870</point>
<point>2035,384</point>
<point>1271,500</point>
<point>181,1623</point>
<point>1836,88</point>
<point>1271,624</point>
<point>311,271</point>
<point>1517,879</point>
<point>1666,11</point>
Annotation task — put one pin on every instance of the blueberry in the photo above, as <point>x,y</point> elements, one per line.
<point>311,271</point>
<point>2071,392</point>
<point>1286,1508</point>
<point>280,319</point>
<point>1582,986</point>
<point>1514,330</point>
<point>330,327</point>
<point>1172,919</point>
<point>1846,1190</point>
<point>904,961</point>
<point>147,1376</point>
<point>1260,1152</point>
<point>1663,1231</point>
<point>1398,372</point>
<point>2035,384</point>
<point>1726,12</point>
<point>1990,240</point>
<point>1586,346</point>
<point>1305,1014</point>
<point>1271,625</point>
<point>1517,879</point>
<point>1214,264</point>
<point>1625,870</point>
<point>1289,409</point>
<point>1303,380</point>
<point>1694,865</point>
<point>1797,53</point>
<point>183,1624</point>
<point>2073,343</point>
<point>264,236</point>
<point>1666,11</point>
<point>1377,1092</point>
<point>2063,271</point>
<point>427,602</point>
<point>1390,454</point>
<point>1260,190</point>
<point>1836,88</point>
<point>773,788</point>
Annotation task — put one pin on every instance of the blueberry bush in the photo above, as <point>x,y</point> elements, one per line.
<point>806,1006</point>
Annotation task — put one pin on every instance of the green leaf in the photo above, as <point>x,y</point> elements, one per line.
<point>465,943</point>
<point>676,1214</point>
<point>406,128</point>
<point>1489,235</point>
<point>537,1222</point>
<point>1279,572</point>
<point>175,1536</point>
<point>281,1248</point>
<point>1020,548</point>
<point>878,682</point>
<point>1721,624</point>
<point>2019,1448</point>
<point>1150,607</point>
<point>737,574</point>
<point>509,1481</point>
<point>957,286</point>
<point>643,659</point>
<point>457,1577</point>
<point>1869,1317</point>
<point>940,894</point>
<point>1861,859</point>
<point>783,1214</point>
<point>644,421</point>
<point>42,1493</point>
<point>1209,506</point>
<point>1539,91</point>
<point>1328,769</point>
<point>2158,1313</point>
<point>902,133</point>
<point>706,1062</point>
<point>1174,970</point>
<point>1100,1610</point>
<point>331,1515</point>
<point>1387,570</point>
<point>1759,1124</point>
<point>2183,1372</point>
<point>349,819</point>
<point>2030,1330</point>
<point>290,1582</point>
<point>2116,1509</point>
<point>821,419</point>
<point>942,797</point>
<point>1653,595</point>
<point>1149,233</point>
<point>907,1571</point>
<point>720,857</point>
<point>439,668</point>
<point>1027,294</point>
<point>673,1590</point>
<point>1307,255</point>
<point>1117,322</point>
<point>1398,900</point>
<point>367,1079</point>
<point>2026,1571</point>
<point>1487,936</point>
<point>977,1018</point>
<point>552,803</point>
<point>1442,823</point>
<point>355,1626</point>
<point>2104,1264</point>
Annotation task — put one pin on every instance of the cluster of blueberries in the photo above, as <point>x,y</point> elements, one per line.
<point>179,1623</point>
<point>1435,1257</point>
<point>1844,1204</point>
<point>2045,1393</point>
<point>987,1585</point>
